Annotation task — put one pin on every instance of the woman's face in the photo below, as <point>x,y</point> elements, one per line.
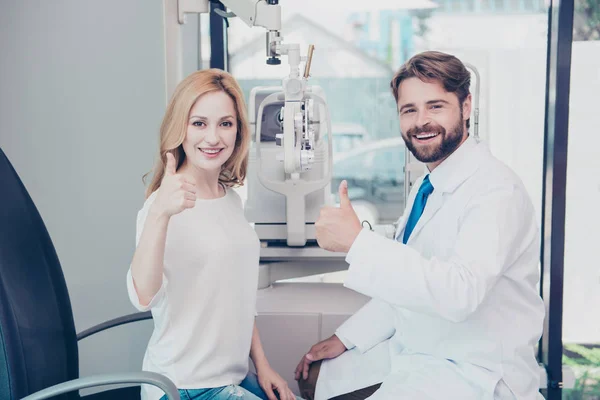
<point>211,131</point>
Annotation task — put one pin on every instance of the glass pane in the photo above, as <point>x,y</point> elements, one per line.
<point>358,49</point>
<point>375,175</point>
<point>581,324</point>
<point>353,63</point>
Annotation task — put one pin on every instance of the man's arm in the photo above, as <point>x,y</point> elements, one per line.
<point>369,326</point>
<point>494,231</point>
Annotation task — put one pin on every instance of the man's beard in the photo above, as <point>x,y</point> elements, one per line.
<point>431,153</point>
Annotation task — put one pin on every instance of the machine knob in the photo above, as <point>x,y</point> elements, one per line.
<point>294,86</point>
<point>306,159</point>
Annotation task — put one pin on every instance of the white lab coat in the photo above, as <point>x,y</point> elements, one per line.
<point>455,313</point>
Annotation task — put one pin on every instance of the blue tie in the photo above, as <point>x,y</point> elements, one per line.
<point>418,207</point>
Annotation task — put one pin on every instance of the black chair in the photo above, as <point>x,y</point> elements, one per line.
<point>38,345</point>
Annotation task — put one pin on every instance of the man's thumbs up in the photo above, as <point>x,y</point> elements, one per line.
<point>171,167</point>
<point>344,199</point>
<point>337,228</point>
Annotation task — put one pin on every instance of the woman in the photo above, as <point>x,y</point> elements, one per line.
<point>196,262</point>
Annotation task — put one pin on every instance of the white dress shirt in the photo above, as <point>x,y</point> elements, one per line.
<point>456,312</point>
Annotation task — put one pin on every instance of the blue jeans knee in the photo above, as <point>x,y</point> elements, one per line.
<point>250,383</point>
<point>248,389</point>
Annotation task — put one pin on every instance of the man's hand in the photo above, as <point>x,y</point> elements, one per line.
<point>328,348</point>
<point>337,228</point>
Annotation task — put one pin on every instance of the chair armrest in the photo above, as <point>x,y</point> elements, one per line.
<point>150,378</point>
<point>126,319</point>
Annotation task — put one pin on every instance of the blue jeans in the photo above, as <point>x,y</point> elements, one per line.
<point>249,389</point>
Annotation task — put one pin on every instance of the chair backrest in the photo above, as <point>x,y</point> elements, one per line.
<point>38,342</point>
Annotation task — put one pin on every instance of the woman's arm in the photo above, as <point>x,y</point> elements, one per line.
<point>257,354</point>
<point>269,379</point>
<point>147,264</point>
<point>174,195</point>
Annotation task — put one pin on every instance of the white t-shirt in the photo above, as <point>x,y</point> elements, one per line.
<point>204,312</point>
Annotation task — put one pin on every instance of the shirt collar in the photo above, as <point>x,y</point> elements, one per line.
<point>459,165</point>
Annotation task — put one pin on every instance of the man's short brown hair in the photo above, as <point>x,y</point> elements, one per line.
<point>435,66</point>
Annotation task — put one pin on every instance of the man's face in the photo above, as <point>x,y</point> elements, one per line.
<point>432,121</point>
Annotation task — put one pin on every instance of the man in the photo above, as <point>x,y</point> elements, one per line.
<point>455,312</point>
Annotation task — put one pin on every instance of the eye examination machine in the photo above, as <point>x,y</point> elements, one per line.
<point>290,161</point>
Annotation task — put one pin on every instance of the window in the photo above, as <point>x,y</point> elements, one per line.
<point>354,76</point>
<point>355,72</point>
<point>581,297</point>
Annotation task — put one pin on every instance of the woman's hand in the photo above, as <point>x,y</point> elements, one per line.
<point>175,193</point>
<point>270,381</point>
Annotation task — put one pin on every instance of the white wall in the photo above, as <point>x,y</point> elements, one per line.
<point>81,99</point>
<point>581,322</point>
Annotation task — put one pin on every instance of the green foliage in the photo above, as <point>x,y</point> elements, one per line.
<point>585,362</point>
<point>586,20</point>
<point>586,355</point>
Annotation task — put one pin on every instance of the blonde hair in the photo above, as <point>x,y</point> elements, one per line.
<point>174,126</point>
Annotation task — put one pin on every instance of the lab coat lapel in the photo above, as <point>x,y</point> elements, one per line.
<point>445,178</point>
<point>434,203</point>
<point>400,225</point>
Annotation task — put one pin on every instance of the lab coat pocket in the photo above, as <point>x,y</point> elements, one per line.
<point>353,370</point>
<point>480,361</point>
<point>484,353</point>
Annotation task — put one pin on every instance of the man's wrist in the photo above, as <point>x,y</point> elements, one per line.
<point>353,239</point>
<point>344,341</point>
<point>355,244</point>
